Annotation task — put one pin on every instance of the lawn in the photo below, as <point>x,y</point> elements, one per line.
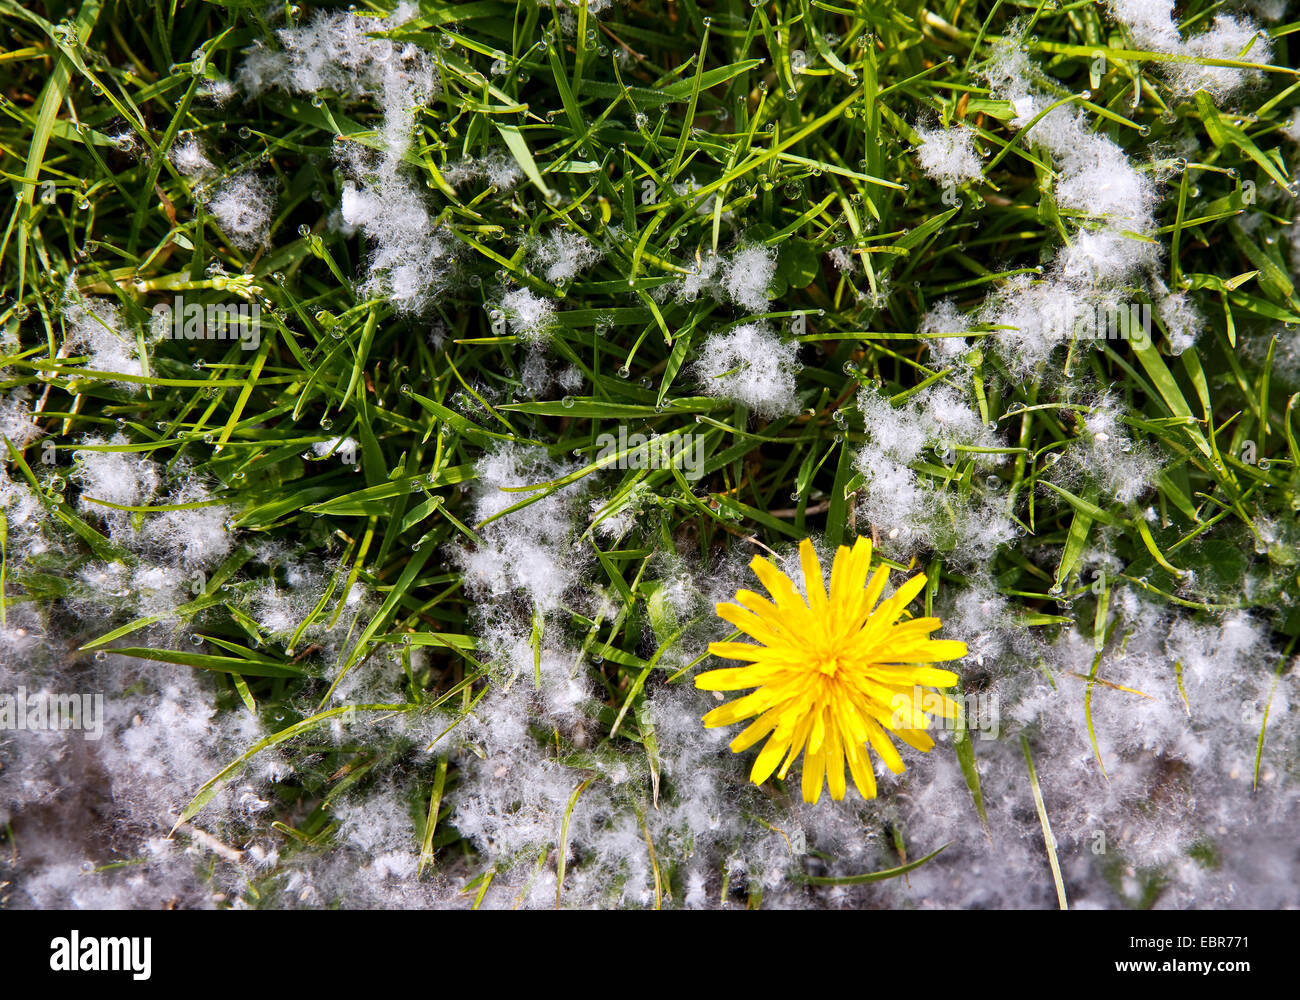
<point>390,396</point>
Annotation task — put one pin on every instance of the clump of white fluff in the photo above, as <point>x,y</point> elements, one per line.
<point>948,154</point>
<point>752,364</point>
<point>498,169</point>
<point>17,421</point>
<point>338,52</point>
<point>937,326</point>
<point>530,316</point>
<point>121,477</point>
<point>1151,22</point>
<point>191,538</point>
<point>531,550</point>
<point>243,205</point>
<point>1109,241</point>
<point>98,327</point>
<point>1106,453</point>
<point>747,275</point>
<point>561,255</point>
<point>912,511</point>
<point>742,277</point>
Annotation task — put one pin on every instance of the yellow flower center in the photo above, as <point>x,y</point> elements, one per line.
<point>828,662</point>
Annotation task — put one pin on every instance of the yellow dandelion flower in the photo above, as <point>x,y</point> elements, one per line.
<point>832,673</point>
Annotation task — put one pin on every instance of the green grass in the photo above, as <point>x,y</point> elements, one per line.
<point>803,162</point>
